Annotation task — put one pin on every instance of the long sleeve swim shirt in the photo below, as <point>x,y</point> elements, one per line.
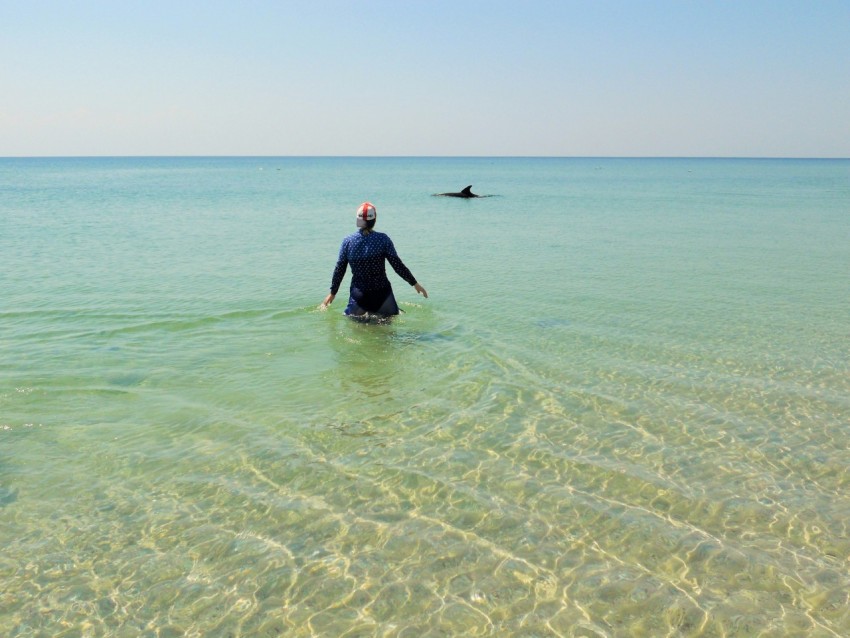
<point>366,255</point>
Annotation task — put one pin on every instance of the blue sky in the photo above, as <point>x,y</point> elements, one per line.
<point>748,78</point>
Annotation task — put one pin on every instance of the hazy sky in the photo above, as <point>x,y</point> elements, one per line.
<point>425,77</point>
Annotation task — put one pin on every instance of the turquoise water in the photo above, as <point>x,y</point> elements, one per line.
<point>623,411</point>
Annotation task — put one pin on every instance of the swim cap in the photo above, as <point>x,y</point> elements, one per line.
<point>365,213</point>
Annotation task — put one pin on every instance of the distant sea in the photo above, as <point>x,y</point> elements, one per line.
<point>623,411</point>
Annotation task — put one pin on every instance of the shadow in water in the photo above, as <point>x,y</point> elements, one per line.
<point>7,496</point>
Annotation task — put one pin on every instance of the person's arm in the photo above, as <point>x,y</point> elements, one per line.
<point>402,270</point>
<point>339,273</point>
<point>404,273</point>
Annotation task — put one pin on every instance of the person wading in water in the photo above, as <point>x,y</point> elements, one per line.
<point>366,251</point>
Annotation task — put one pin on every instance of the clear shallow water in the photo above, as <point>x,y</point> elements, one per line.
<point>624,410</point>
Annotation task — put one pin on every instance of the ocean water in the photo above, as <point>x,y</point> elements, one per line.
<point>624,410</point>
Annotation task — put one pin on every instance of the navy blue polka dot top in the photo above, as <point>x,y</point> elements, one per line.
<point>366,254</point>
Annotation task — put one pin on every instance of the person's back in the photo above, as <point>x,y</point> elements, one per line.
<point>367,254</point>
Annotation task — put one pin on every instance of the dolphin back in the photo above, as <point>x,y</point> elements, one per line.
<point>466,193</point>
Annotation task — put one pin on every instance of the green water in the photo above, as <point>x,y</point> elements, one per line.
<point>623,411</point>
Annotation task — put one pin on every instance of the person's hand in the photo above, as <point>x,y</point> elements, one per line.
<point>421,290</point>
<point>328,300</point>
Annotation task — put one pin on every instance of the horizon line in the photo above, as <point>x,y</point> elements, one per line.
<point>595,157</point>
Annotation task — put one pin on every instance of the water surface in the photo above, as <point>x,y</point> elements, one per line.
<point>623,410</point>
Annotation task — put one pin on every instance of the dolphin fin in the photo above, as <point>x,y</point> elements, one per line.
<point>467,191</point>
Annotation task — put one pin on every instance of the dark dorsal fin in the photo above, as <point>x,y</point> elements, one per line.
<point>467,191</point>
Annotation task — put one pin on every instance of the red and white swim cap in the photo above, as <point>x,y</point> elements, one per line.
<point>365,213</point>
